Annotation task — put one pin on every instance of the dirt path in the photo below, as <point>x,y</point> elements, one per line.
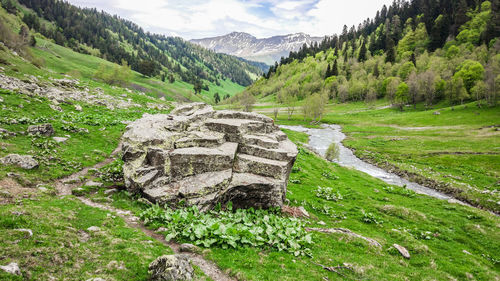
<point>65,185</point>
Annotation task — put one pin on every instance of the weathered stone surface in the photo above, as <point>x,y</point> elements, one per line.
<point>203,157</point>
<point>12,268</point>
<point>42,130</point>
<point>171,268</point>
<point>402,250</point>
<point>24,161</point>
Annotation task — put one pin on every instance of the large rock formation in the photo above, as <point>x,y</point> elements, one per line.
<point>204,157</point>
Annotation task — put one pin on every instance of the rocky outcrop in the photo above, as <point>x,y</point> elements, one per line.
<point>41,130</point>
<point>171,268</point>
<point>24,161</point>
<point>63,90</point>
<point>203,157</point>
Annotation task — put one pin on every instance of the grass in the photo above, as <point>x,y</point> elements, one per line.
<point>445,240</point>
<point>80,150</point>
<point>459,149</point>
<point>454,228</point>
<point>62,247</point>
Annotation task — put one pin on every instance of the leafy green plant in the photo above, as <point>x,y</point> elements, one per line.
<point>329,175</point>
<point>73,129</point>
<point>371,218</point>
<point>44,144</point>
<point>112,172</point>
<point>400,191</point>
<point>228,229</point>
<point>328,193</point>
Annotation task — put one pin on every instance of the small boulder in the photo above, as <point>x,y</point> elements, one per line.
<point>189,248</point>
<point>42,130</point>
<point>24,161</point>
<point>402,250</point>
<point>170,268</point>
<point>437,113</point>
<point>78,107</point>
<point>12,268</point>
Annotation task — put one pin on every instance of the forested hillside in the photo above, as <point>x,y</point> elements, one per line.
<point>417,51</point>
<point>110,37</point>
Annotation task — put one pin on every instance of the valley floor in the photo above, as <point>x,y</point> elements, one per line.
<point>453,149</point>
<point>72,240</point>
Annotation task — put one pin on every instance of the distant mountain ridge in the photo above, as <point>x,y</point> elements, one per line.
<point>247,46</point>
<point>116,39</point>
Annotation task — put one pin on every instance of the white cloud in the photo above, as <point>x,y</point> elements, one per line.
<point>262,18</point>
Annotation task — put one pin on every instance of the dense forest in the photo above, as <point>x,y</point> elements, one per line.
<point>410,52</point>
<point>117,40</point>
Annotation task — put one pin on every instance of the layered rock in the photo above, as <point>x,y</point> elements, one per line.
<point>203,157</point>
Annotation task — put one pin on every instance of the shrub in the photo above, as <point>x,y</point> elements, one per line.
<point>332,152</point>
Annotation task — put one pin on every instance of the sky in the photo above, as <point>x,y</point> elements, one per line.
<point>194,19</point>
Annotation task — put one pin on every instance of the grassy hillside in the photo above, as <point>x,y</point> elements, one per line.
<point>115,39</point>
<point>56,61</point>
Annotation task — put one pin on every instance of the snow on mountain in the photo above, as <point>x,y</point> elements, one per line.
<point>267,50</point>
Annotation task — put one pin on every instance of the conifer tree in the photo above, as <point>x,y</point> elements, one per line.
<point>376,72</point>
<point>328,72</point>
<point>335,68</point>
<point>362,52</point>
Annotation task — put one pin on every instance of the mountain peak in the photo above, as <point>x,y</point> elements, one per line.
<point>267,50</point>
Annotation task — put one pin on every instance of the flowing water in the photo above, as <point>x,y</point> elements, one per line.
<point>321,139</point>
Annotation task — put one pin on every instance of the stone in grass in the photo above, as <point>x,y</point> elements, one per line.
<point>60,139</point>
<point>43,130</point>
<point>24,161</point>
<point>402,250</point>
<point>78,191</point>
<point>189,248</point>
<point>93,184</point>
<point>170,268</point>
<point>29,232</point>
<point>12,268</point>
<point>93,229</point>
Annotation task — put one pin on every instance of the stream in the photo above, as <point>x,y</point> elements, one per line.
<point>321,139</point>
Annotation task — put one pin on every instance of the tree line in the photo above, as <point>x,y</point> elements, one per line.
<point>465,68</point>
<point>118,40</point>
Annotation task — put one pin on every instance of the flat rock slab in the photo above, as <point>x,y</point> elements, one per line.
<point>26,162</point>
<point>204,157</point>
